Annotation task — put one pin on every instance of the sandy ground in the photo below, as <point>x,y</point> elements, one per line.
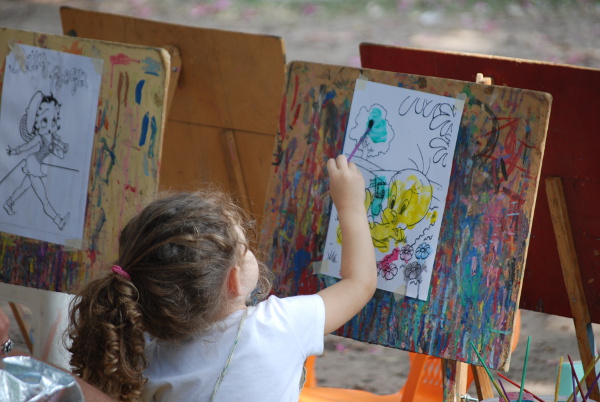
<point>564,35</point>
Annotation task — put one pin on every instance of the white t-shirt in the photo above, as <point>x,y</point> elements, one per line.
<point>277,337</point>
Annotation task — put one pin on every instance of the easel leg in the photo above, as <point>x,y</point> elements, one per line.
<point>17,314</point>
<point>572,276</point>
<point>234,171</point>
<point>455,379</point>
<point>482,383</point>
<point>174,74</point>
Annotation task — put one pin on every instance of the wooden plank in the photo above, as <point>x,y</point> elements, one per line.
<point>571,153</point>
<point>193,156</point>
<point>228,80</point>
<point>571,275</point>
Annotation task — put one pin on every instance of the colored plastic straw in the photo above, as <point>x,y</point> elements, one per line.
<point>524,389</point>
<point>588,370</point>
<point>576,380</point>
<point>558,379</point>
<point>503,390</point>
<point>574,387</point>
<point>488,372</point>
<point>524,369</point>
<point>592,387</point>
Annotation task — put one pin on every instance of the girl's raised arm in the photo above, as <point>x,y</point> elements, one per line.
<point>358,269</point>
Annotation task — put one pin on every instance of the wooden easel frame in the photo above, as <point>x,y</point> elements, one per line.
<point>572,277</point>
<point>175,70</point>
<point>63,267</point>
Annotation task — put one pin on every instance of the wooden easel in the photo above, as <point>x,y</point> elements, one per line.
<point>318,95</point>
<point>571,153</point>
<point>120,174</point>
<point>223,109</point>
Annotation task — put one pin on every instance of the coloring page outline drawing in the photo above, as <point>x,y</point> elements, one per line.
<point>406,160</point>
<point>47,120</point>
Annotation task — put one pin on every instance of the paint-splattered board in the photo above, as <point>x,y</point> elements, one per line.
<point>230,84</point>
<point>572,153</point>
<point>486,225</point>
<point>124,164</point>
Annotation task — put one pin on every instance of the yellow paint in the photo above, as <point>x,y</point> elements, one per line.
<point>407,204</point>
<point>433,217</point>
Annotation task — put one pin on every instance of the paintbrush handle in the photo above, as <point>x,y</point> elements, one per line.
<point>587,395</point>
<point>359,143</point>
<point>578,385</point>
<point>559,371</point>
<point>518,386</point>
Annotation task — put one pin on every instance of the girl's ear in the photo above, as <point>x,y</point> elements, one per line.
<point>234,283</point>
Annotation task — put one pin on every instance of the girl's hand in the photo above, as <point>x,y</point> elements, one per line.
<point>12,151</point>
<point>357,268</point>
<point>347,185</point>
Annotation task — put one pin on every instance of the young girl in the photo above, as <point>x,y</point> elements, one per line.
<point>170,321</point>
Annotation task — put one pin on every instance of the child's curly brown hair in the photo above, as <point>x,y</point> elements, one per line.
<point>178,252</point>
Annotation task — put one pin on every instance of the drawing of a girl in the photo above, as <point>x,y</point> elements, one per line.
<point>39,129</point>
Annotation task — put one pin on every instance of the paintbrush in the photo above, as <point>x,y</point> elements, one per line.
<point>371,122</point>
<point>578,385</point>
<point>588,370</point>
<point>558,379</point>
<point>518,386</point>
<point>592,387</point>
<point>524,369</point>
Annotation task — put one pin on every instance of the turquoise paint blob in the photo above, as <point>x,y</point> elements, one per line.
<point>378,132</point>
<point>380,193</point>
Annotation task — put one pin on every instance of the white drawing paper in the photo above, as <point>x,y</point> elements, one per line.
<point>406,160</point>
<point>47,119</point>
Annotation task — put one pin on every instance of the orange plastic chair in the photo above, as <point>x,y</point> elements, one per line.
<point>423,384</point>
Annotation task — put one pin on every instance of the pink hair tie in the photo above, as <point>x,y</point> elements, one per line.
<point>119,271</point>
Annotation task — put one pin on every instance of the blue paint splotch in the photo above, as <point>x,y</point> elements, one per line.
<point>144,132</point>
<point>302,260</point>
<point>151,66</point>
<point>138,91</point>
